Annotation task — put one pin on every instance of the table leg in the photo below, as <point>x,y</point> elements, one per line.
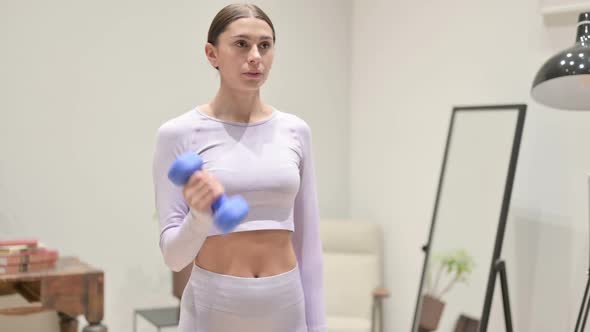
<point>95,328</point>
<point>95,304</point>
<point>67,323</point>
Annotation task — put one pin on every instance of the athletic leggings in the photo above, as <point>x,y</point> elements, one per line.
<point>213,302</point>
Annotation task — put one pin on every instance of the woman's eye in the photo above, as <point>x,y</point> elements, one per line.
<point>265,45</point>
<point>241,43</point>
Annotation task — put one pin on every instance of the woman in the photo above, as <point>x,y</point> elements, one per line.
<point>266,274</point>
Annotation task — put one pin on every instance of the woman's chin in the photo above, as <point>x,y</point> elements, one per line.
<point>251,86</point>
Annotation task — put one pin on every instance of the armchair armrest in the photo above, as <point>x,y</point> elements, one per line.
<point>381,292</point>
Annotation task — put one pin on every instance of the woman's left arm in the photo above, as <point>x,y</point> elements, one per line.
<point>306,237</point>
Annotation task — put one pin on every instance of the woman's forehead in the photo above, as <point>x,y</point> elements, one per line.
<point>249,27</point>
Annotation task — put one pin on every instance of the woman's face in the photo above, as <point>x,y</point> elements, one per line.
<point>244,53</point>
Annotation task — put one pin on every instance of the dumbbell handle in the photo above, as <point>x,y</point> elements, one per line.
<point>228,212</point>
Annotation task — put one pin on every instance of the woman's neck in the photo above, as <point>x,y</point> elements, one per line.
<point>238,106</point>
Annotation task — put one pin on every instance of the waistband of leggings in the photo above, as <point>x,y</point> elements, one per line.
<point>200,274</point>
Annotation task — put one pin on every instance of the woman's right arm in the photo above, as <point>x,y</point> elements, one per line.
<point>182,229</point>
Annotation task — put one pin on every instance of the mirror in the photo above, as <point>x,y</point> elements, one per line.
<point>469,217</point>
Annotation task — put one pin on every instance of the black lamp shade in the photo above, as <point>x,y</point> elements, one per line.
<point>564,80</point>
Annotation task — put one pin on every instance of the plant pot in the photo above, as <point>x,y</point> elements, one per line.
<point>431,312</point>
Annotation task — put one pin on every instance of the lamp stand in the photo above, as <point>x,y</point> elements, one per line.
<point>585,300</point>
<point>583,308</point>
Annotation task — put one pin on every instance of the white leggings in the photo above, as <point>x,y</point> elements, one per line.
<point>213,302</point>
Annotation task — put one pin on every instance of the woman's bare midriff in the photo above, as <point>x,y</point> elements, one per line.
<point>249,254</point>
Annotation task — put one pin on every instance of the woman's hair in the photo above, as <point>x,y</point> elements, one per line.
<point>234,12</point>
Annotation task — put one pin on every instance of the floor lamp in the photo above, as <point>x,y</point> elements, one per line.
<point>563,82</point>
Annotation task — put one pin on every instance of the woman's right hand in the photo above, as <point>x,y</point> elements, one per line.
<point>201,190</point>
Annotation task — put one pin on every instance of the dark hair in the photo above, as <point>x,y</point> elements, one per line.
<point>234,12</point>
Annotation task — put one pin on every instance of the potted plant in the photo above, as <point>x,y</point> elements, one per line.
<point>451,267</point>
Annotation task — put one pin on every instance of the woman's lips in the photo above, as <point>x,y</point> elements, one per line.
<point>253,75</point>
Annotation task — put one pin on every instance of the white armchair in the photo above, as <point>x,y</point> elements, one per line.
<point>353,275</point>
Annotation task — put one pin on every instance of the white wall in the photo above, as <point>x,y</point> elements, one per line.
<point>411,62</point>
<point>84,87</point>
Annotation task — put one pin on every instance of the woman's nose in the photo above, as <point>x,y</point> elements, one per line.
<point>254,55</point>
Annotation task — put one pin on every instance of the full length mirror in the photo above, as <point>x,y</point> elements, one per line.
<point>469,217</point>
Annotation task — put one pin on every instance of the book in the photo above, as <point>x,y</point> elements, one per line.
<point>11,246</point>
<point>34,267</point>
<point>15,242</point>
<point>28,257</point>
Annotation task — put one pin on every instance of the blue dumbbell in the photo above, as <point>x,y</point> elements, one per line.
<point>227,212</point>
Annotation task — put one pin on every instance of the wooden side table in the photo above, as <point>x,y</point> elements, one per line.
<point>72,288</point>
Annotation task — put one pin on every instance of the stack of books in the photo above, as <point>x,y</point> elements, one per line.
<point>25,255</point>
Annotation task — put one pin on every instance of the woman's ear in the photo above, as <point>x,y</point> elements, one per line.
<point>211,53</point>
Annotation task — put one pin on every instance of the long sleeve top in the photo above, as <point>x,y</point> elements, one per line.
<point>270,164</point>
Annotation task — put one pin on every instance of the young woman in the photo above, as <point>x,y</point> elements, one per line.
<point>267,274</point>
